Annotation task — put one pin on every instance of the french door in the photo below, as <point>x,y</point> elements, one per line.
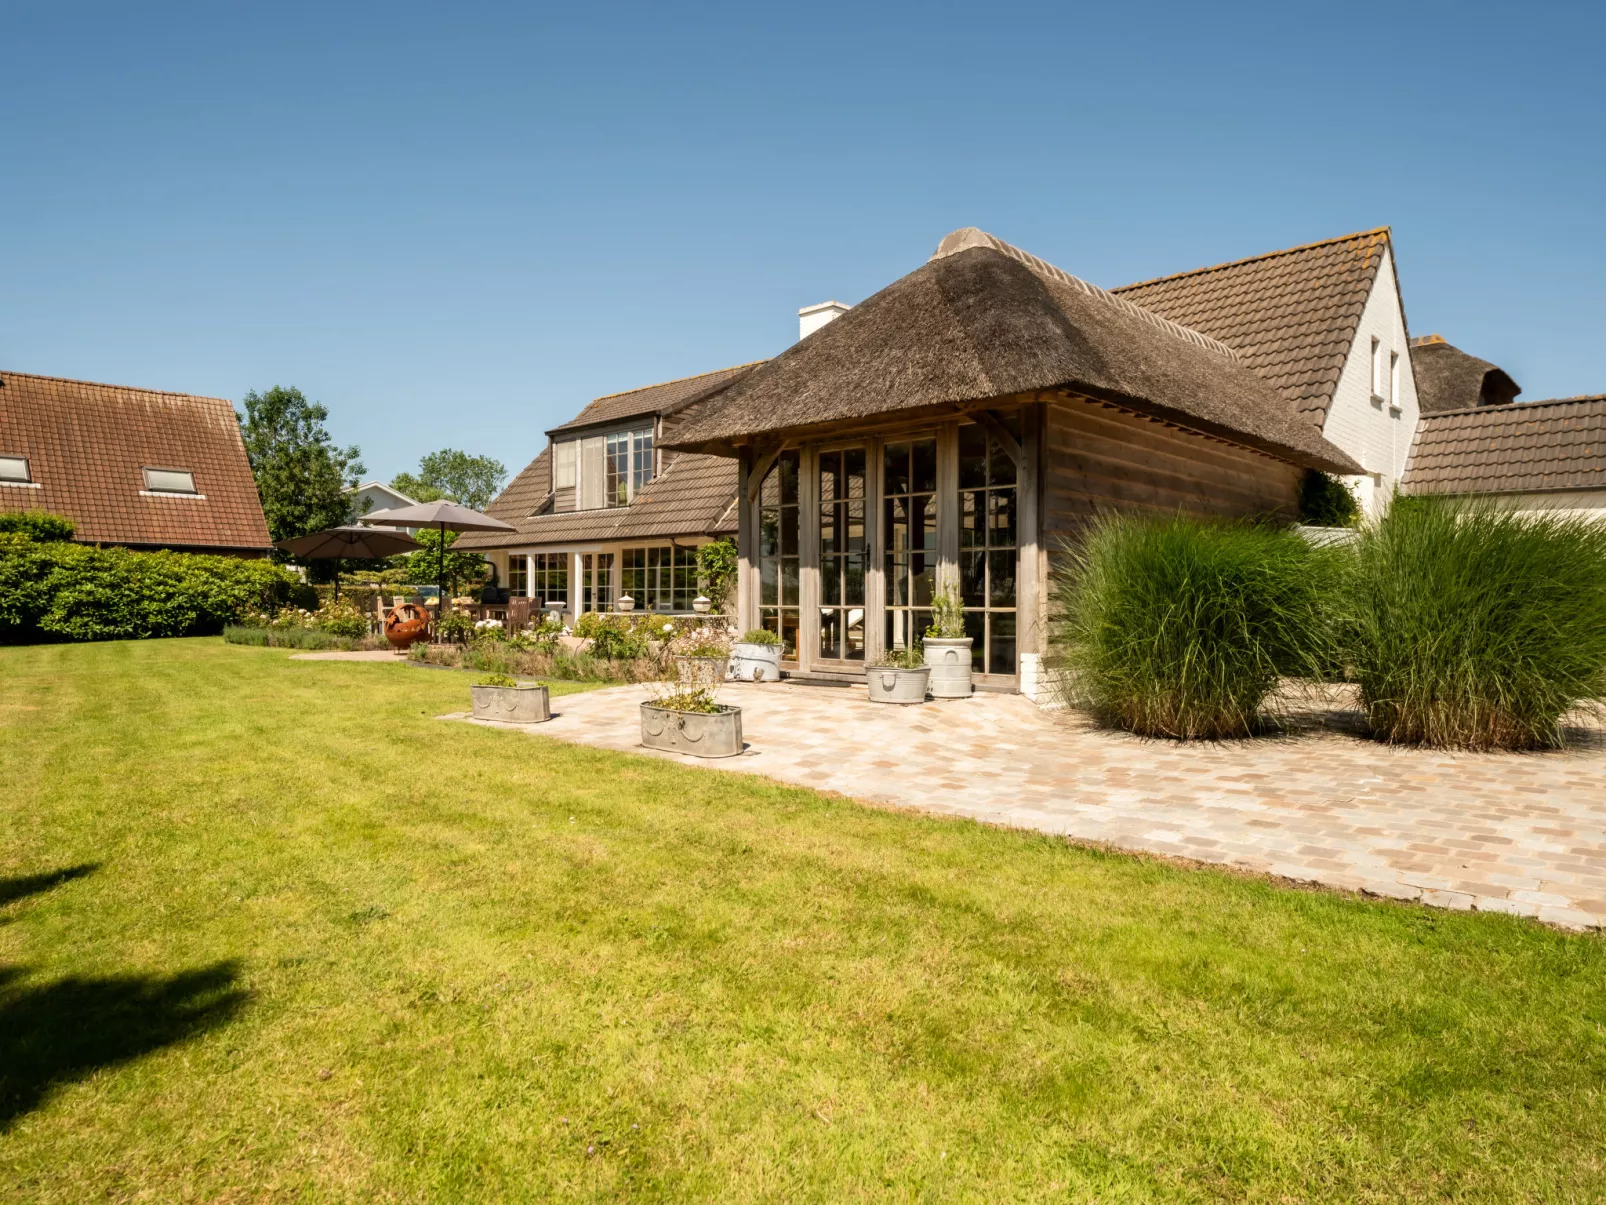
<point>909,537</point>
<point>842,491</point>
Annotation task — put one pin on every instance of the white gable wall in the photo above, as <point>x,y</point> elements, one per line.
<point>1373,432</point>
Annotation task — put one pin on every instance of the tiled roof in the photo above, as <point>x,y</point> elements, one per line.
<point>653,399</point>
<point>692,496</point>
<point>87,445</point>
<point>1291,315</point>
<point>1558,444</point>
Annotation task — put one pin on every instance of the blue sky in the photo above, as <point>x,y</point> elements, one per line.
<point>455,224</point>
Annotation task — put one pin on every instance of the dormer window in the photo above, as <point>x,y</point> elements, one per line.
<point>14,470</point>
<point>627,463</point>
<point>169,481</point>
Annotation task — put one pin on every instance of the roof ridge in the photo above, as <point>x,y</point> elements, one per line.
<point>1249,259</point>
<point>675,380</point>
<point>1512,407</point>
<point>40,376</point>
<point>971,236</point>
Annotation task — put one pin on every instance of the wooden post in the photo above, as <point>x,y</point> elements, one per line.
<point>1029,585</point>
<point>875,583</point>
<point>808,558</point>
<point>947,507</point>
<point>746,546</point>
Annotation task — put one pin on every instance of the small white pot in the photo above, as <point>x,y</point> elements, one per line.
<point>701,604</point>
<point>625,603</point>
<point>888,684</point>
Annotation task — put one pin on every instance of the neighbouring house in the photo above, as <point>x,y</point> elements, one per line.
<point>1325,325</point>
<point>136,467</point>
<point>374,496</point>
<point>604,511</point>
<point>959,427</point>
<point>1447,378</point>
<point>1548,455</point>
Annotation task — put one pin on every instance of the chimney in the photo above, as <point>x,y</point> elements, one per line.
<point>812,317</point>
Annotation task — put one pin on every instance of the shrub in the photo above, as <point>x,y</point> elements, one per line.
<point>38,525</point>
<point>63,591</point>
<point>947,616</point>
<point>615,638</point>
<point>454,625</point>
<point>497,680</point>
<point>342,619</point>
<point>307,639</point>
<point>1325,501</point>
<point>760,636</point>
<point>716,568</point>
<point>1473,627</point>
<point>1182,628</point>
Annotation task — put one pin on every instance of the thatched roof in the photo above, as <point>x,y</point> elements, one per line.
<point>982,320</point>
<point>1447,378</point>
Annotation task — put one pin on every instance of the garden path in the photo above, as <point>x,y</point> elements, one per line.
<point>1518,833</point>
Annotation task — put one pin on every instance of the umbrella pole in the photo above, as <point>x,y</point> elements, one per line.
<point>441,584</point>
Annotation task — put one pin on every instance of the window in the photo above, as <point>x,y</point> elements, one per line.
<point>169,481</point>
<point>518,576</point>
<point>987,548</point>
<point>778,552</point>
<point>614,466</point>
<point>15,469</point>
<point>549,578</point>
<point>1394,379</point>
<point>563,462</point>
<point>1377,370</point>
<point>659,579</point>
<point>909,524</point>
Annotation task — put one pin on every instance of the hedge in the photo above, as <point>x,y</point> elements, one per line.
<point>62,591</point>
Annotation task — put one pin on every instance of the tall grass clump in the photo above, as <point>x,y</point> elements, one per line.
<point>1182,628</point>
<point>1474,627</point>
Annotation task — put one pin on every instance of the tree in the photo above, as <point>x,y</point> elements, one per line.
<point>301,476</point>
<point>470,480</point>
<point>424,564</point>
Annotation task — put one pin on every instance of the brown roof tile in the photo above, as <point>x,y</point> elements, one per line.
<point>653,399</point>
<point>88,443</point>
<point>1291,315</point>
<point>1559,444</point>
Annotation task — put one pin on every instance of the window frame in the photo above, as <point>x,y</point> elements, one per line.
<point>27,471</point>
<point>162,492</point>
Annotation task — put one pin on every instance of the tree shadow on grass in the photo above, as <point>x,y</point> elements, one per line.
<point>23,885</point>
<point>52,1034</point>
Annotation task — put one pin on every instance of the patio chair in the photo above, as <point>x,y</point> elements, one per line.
<point>518,613</point>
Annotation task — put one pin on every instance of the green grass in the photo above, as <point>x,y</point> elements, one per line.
<point>333,949</point>
<point>1476,627</point>
<point>1181,627</point>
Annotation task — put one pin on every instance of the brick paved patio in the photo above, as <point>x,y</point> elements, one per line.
<point>1513,833</point>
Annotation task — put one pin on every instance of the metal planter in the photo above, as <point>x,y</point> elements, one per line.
<point>948,659</point>
<point>511,704</point>
<point>755,662</point>
<point>891,685</point>
<point>697,733</point>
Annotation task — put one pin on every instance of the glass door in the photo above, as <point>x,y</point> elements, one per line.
<point>909,534</point>
<point>843,554</point>
<point>988,548</point>
<point>778,552</point>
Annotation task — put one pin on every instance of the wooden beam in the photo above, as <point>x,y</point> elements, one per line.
<point>994,426</point>
<point>761,468</point>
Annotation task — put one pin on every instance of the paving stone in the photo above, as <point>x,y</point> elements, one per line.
<point>1515,833</point>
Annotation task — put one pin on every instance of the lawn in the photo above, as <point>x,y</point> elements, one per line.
<point>269,930</point>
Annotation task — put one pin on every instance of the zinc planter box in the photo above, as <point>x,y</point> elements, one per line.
<point>698,733</point>
<point>891,685</point>
<point>511,704</point>
<point>755,662</point>
<point>700,673</point>
<point>948,659</point>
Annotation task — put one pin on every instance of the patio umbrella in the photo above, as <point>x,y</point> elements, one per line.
<point>362,543</point>
<point>444,517</point>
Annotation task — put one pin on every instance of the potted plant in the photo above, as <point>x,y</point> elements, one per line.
<point>691,721</point>
<point>948,648</point>
<point>899,676</point>
<point>702,657</point>
<point>499,697</point>
<point>756,657</point>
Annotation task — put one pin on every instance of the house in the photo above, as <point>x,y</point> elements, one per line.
<point>1324,323</point>
<point>373,496</point>
<point>963,424</point>
<point>604,511</point>
<point>1548,455</point>
<point>136,467</point>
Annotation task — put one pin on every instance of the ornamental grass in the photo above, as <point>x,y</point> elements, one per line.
<point>1474,627</point>
<point>1184,628</point>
